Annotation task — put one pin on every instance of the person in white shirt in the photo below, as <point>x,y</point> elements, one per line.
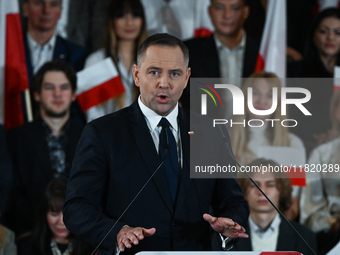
<point>268,231</point>
<point>125,32</point>
<point>42,44</point>
<point>183,19</point>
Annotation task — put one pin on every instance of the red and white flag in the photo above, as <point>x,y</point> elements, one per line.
<point>272,55</point>
<point>324,4</point>
<point>98,83</point>
<point>203,24</point>
<point>13,71</point>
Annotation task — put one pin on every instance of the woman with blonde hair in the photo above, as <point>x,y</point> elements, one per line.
<point>246,140</point>
<point>125,33</point>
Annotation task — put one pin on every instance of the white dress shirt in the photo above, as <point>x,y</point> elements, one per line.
<point>265,240</point>
<point>231,68</point>
<point>40,54</point>
<point>152,120</point>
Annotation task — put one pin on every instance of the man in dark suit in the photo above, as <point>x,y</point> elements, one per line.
<point>119,152</point>
<point>229,52</point>
<point>42,44</point>
<point>43,149</point>
<point>268,231</point>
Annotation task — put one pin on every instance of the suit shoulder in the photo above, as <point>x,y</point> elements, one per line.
<point>116,118</point>
<point>302,229</point>
<point>22,129</point>
<point>253,42</point>
<point>197,43</point>
<point>71,46</point>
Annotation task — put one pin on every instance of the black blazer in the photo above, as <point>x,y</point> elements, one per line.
<point>32,169</point>
<point>71,53</point>
<point>288,240</point>
<point>204,61</point>
<point>115,157</point>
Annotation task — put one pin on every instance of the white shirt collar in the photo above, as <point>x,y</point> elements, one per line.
<point>241,45</point>
<point>34,44</point>
<point>264,234</point>
<point>155,118</point>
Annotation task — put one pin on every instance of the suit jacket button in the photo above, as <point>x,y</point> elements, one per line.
<point>174,224</point>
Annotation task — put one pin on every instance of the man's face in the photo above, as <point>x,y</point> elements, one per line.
<point>228,16</point>
<point>42,15</point>
<point>256,201</point>
<point>161,77</point>
<point>56,95</point>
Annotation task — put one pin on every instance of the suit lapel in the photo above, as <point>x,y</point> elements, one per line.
<point>284,243</point>
<point>212,67</point>
<point>60,50</point>
<point>250,57</point>
<point>28,61</point>
<point>185,181</point>
<point>141,134</point>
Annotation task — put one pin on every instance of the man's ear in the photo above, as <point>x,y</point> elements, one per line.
<point>74,96</point>
<point>135,72</point>
<point>246,12</point>
<point>36,96</point>
<point>25,9</point>
<point>188,73</point>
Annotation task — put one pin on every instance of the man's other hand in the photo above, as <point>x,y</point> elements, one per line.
<point>226,226</point>
<point>129,235</point>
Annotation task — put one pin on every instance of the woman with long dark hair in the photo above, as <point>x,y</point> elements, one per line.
<point>321,55</point>
<point>125,33</point>
<point>322,50</point>
<point>50,236</point>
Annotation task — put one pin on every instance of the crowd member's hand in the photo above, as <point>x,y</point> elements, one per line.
<point>293,54</point>
<point>226,226</point>
<point>129,235</point>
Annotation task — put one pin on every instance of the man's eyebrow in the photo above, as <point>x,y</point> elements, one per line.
<point>153,68</point>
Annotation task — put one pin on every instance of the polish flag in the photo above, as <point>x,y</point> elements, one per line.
<point>324,4</point>
<point>14,89</point>
<point>272,55</point>
<point>203,24</point>
<point>98,83</point>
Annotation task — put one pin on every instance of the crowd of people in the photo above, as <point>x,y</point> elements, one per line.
<point>219,39</point>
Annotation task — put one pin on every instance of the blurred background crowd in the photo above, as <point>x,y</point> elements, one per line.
<point>69,45</point>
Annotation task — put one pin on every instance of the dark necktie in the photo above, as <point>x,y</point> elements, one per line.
<point>171,162</point>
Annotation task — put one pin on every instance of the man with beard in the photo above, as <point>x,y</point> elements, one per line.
<point>43,149</point>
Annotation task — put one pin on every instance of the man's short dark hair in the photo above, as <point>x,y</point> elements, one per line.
<point>162,40</point>
<point>58,66</point>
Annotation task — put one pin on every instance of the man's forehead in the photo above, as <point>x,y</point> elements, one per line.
<point>163,54</point>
